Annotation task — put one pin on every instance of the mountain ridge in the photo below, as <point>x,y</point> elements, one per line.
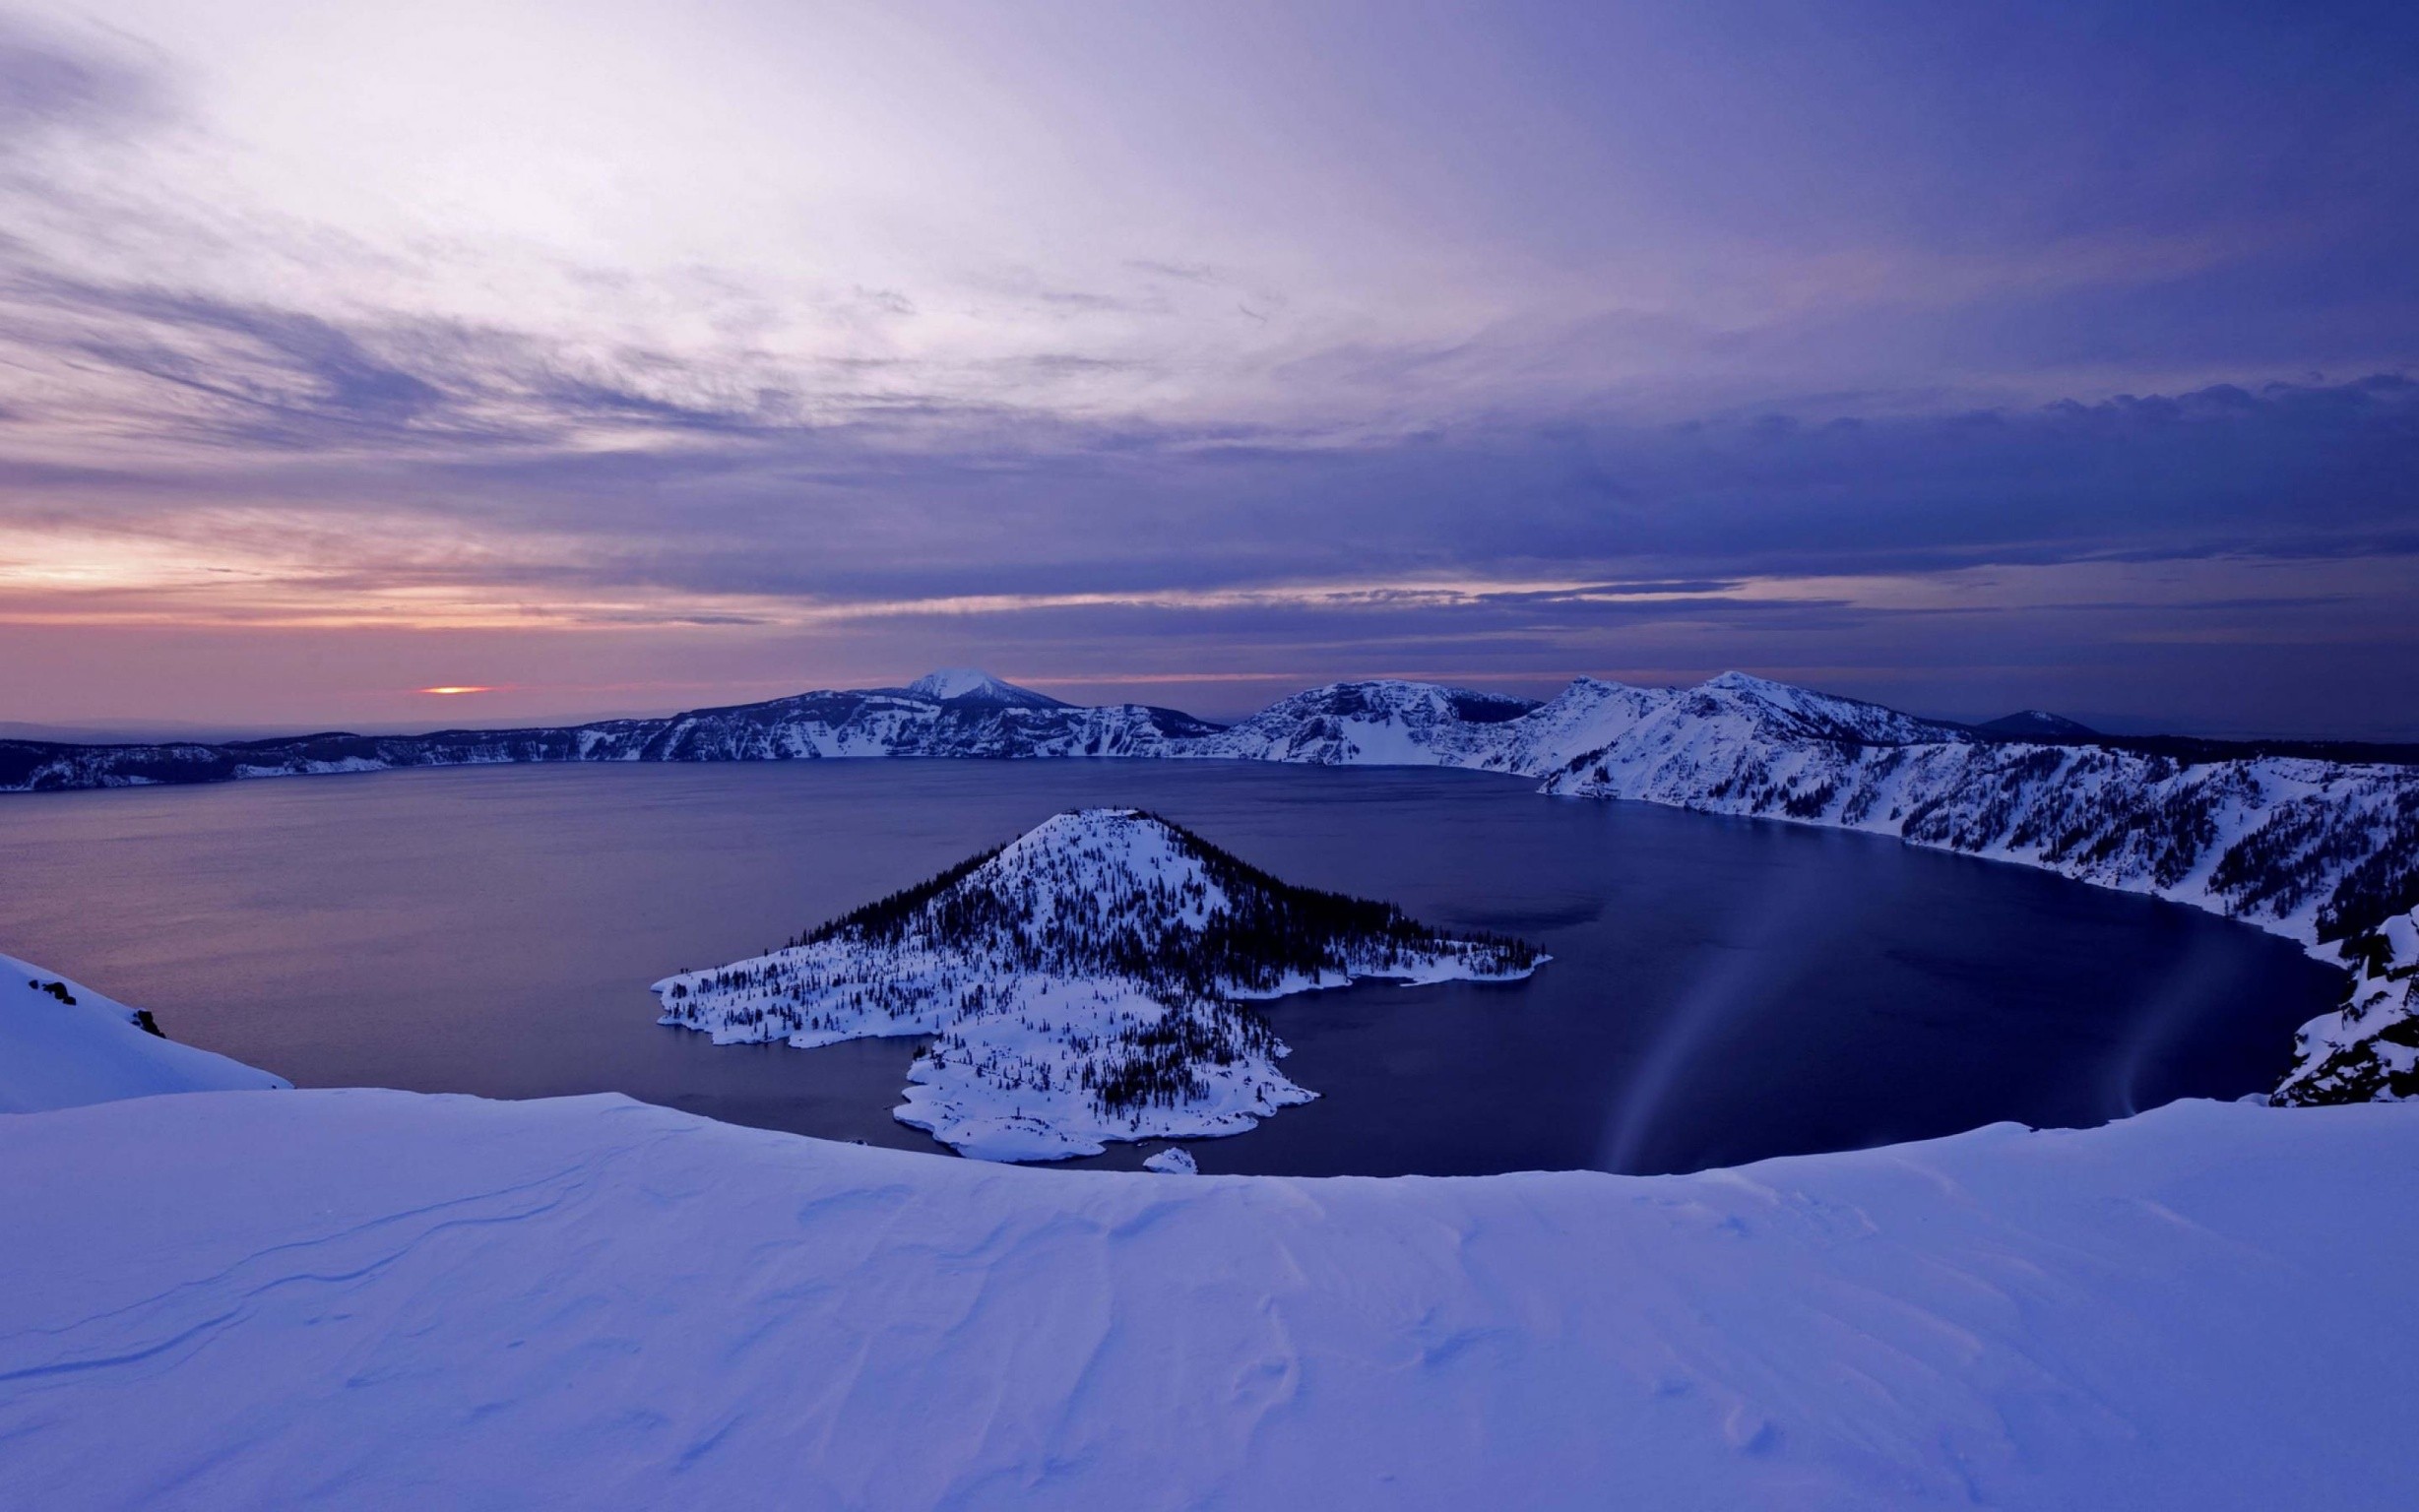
<point>2037,724</point>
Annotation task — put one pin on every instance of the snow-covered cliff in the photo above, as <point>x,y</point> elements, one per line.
<point>1084,983</point>
<point>2368,1050</point>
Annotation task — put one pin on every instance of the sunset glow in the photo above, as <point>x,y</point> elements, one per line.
<point>1968,360</point>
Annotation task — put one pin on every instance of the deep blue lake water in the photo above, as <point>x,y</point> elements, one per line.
<point>1721,990</point>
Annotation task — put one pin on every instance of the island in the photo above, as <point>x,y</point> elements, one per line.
<point>1090,981</point>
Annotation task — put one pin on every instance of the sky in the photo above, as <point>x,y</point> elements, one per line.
<point>618,357</point>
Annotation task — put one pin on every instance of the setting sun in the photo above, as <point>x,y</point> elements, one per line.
<point>450,691</point>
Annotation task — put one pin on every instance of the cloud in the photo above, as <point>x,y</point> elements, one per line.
<point>715,474</point>
<point>1468,341</point>
<point>51,84</point>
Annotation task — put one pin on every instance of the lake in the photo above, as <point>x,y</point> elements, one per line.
<point>1722,989</point>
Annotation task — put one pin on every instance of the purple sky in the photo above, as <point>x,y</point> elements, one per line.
<point>622,357</point>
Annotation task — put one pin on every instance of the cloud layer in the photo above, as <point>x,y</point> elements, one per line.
<point>1959,359</point>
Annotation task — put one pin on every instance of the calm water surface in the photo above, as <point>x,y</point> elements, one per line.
<point>1721,990</point>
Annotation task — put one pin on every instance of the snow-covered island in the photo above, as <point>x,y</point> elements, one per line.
<point>1088,982</point>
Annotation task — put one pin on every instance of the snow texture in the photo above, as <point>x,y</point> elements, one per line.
<point>375,1299</point>
<point>1083,985</point>
<point>63,1044</point>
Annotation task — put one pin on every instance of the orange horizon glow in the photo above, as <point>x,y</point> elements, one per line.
<point>449,692</point>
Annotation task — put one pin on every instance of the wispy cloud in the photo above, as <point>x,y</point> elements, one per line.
<point>1153,344</point>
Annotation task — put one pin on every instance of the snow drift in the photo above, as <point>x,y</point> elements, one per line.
<point>367,1299</point>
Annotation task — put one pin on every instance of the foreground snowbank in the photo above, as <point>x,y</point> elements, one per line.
<point>63,1044</point>
<point>368,1298</point>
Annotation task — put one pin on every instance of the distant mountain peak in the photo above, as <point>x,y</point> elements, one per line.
<point>2038,722</point>
<point>1744,682</point>
<point>951,684</point>
<point>1795,712</point>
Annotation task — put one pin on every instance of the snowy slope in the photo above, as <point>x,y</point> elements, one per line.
<point>1368,723</point>
<point>2323,852</point>
<point>2369,1048</point>
<point>952,684</point>
<point>2278,842</point>
<point>375,1299</point>
<point>1418,723</point>
<point>63,1044</point>
<point>1084,985</point>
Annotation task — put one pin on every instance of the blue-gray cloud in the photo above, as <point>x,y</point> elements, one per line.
<point>743,485</point>
<point>1753,293</point>
<point>50,84</point>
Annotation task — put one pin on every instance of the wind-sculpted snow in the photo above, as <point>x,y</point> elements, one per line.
<point>1084,983</point>
<point>368,1299</point>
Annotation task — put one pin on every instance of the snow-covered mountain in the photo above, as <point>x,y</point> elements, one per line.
<point>954,684</point>
<point>63,1044</point>
<point>1368,723</point>
<point>1418,723</point>
<point>950,713</point>
<point>1085,984</point>
<point>2036,725</point>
